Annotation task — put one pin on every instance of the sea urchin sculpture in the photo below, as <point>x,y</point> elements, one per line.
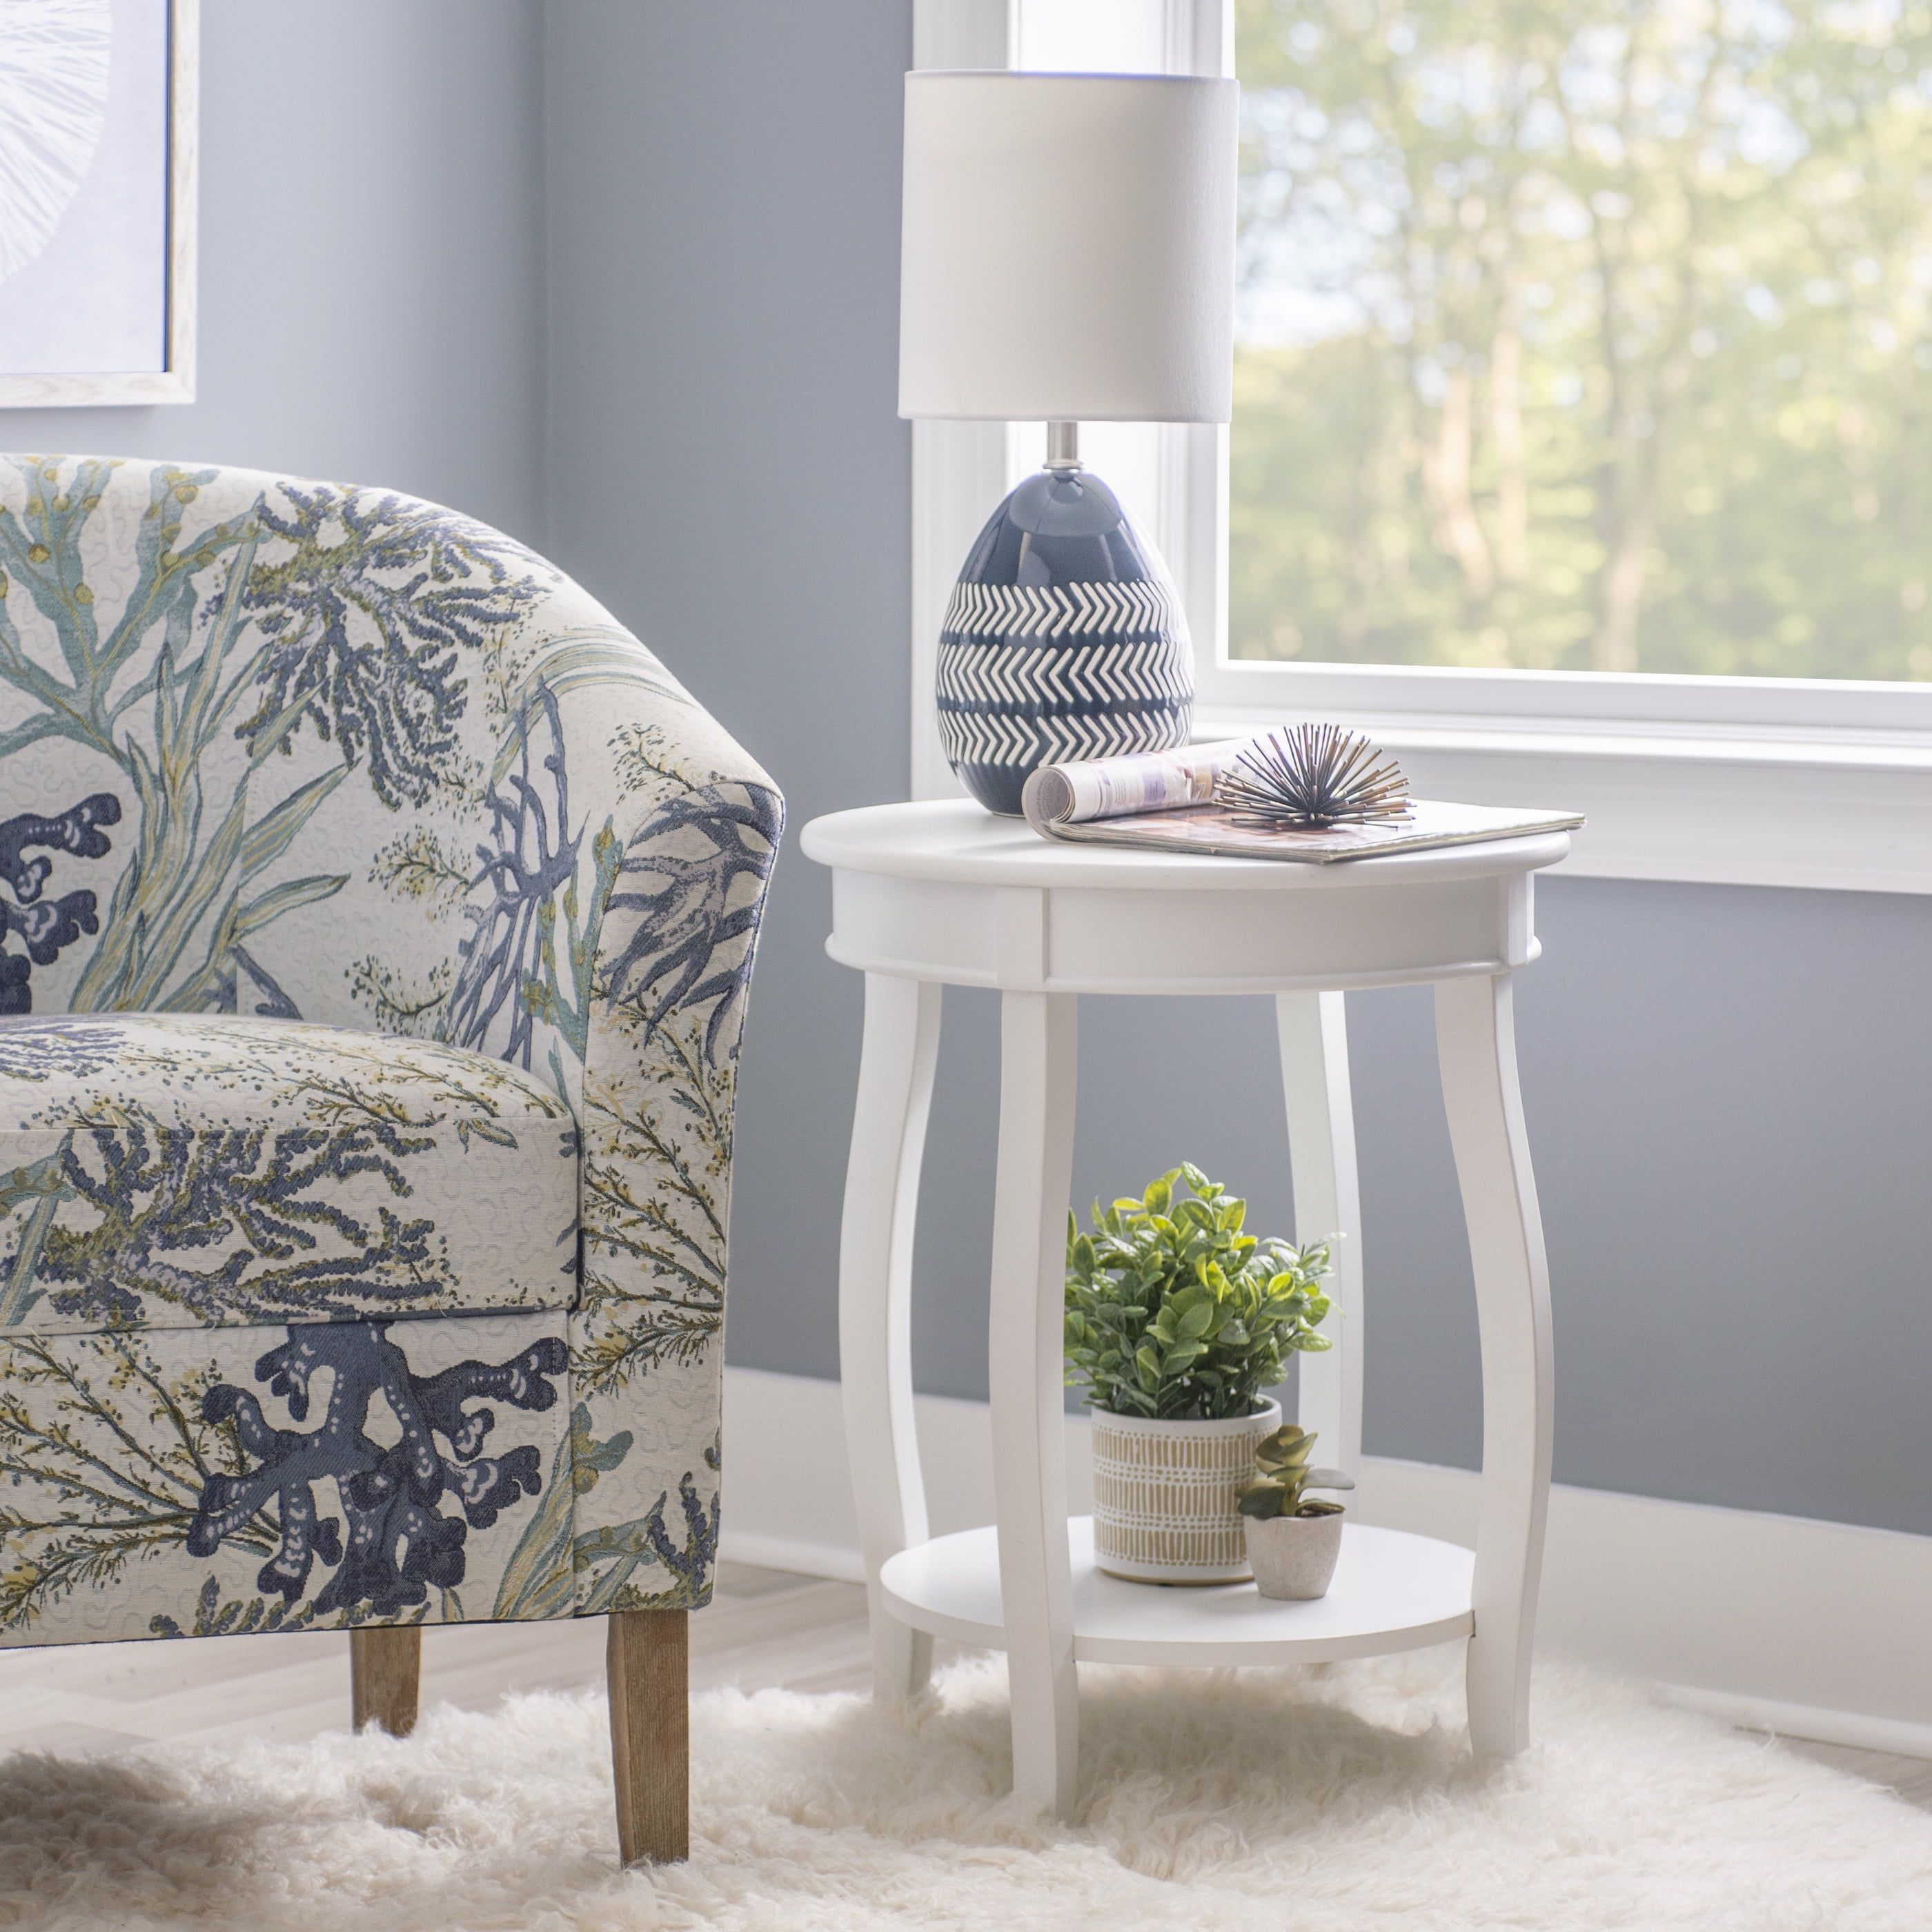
<point>1309,777</point>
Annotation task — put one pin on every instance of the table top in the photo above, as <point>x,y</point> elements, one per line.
<point>956,839</point>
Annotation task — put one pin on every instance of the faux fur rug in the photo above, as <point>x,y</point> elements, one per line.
<point>1333,1800</point>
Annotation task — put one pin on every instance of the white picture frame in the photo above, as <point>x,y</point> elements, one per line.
<point>173,382</point>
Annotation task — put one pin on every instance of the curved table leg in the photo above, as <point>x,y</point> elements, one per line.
<point>1024,1356</point>
<point>1476,1043</point>
<point>1314,1035</point>
<point>902,1044</point>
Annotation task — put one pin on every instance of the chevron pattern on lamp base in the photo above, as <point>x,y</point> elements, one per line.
<point>1064,639</point>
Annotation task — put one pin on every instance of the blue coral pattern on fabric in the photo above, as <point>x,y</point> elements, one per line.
<point>376,923</point>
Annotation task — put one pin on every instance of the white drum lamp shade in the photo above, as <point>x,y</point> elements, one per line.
<point>1068,252</point>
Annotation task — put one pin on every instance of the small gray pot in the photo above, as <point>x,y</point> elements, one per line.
<point>1294,1556</point>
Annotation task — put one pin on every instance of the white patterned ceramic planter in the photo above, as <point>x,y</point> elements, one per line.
<point>1294,1556</point>
<point>1164,1508</point>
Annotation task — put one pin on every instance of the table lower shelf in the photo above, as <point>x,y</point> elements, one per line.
<point>1392,1592</point>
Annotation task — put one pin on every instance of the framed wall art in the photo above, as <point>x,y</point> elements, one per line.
<point>97,111</point>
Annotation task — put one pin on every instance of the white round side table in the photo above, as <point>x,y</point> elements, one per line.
<point>944,894</point>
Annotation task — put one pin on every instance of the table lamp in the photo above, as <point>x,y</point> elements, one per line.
<point>1068,255</point>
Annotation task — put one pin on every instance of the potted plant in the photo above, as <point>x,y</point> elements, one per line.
<point>1293,1538</point>
<point>1176,1322</point>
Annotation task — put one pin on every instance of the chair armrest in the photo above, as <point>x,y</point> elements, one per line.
<point>634,840</point>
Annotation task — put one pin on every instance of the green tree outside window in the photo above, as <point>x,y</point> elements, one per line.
<point>1586,335</point>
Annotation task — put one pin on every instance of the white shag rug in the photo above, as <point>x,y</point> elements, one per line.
<point>1335,1800</point>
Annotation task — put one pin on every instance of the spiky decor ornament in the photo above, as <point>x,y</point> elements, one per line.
<point>1309,777</point>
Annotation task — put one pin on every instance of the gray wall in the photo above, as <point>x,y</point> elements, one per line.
<point>1724,1086</point>
<point>727,473</point>
<point>370,298</point>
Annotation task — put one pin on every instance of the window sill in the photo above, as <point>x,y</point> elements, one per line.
<point>1839,808</point>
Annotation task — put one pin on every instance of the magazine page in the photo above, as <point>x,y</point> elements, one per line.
<point>1163,801</point>
<point>1218,830</point>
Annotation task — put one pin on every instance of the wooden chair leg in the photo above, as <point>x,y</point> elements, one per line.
<point>647,1661</point>
<point>384,1668</point>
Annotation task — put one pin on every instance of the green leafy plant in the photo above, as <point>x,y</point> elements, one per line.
<point>1280,1487</point>
<point>1173,1312</point>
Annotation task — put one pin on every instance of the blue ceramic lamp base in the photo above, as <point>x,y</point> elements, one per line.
<point>1064,638</point>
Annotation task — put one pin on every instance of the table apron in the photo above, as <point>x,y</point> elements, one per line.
<point>1100,940</point>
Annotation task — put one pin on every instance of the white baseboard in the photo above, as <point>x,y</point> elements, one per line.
<point>1806,1720</point>
<point>802,1559</point>
<point>1816,1630</point>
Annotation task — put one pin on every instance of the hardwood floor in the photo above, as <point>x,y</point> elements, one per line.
<point>764,1626</point>
<point>1911,1777</point>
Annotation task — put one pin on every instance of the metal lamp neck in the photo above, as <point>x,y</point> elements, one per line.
<point>1063,445</point>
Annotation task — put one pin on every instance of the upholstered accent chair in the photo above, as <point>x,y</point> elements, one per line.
<point>376,917</point>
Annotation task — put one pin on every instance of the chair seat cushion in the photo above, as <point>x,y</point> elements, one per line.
<point>171,1171</point>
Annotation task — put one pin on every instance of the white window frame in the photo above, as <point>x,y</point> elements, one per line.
<point>1770,781</point>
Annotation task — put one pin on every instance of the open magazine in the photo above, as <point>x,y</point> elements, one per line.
<point>1165,801</point>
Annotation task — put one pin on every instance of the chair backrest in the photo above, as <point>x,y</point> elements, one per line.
<point>294,748</point>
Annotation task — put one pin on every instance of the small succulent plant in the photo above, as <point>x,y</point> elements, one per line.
<point>1283,1479</point>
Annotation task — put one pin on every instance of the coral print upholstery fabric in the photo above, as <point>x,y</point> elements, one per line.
<point>247,1171</point>
<point>376,918</point>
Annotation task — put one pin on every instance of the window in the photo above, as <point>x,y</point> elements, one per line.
<point>1590,338</point>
